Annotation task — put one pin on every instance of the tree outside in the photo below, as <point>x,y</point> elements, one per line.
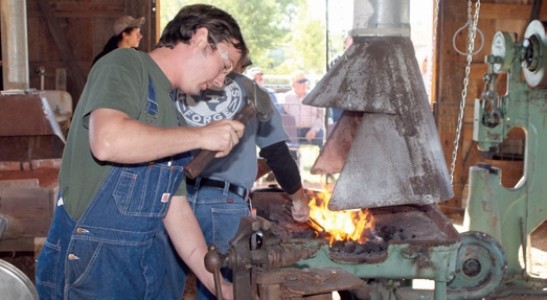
<point>282,35</point>
<point>287,35</point>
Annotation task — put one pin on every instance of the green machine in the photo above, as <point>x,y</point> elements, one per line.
<point>271,259</point>
<point>500,220</point>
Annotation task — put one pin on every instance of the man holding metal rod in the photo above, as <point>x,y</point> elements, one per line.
<point>218,191</point>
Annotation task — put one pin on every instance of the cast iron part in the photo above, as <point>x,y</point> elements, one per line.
<point>213,263</point>
<point>255,249</point>
<point>510,214</point>
<point>421,244</point>
<point>480,268</point>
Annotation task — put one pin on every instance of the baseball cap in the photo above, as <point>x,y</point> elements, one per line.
<point>127,22</point>
<point>255,70</point>
<point>299,77</point>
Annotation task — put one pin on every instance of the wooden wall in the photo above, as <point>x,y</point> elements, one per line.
<point>67,34</point>
<point>510,16</point>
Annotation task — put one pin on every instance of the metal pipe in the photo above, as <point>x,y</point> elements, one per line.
<point>42,73</point>
<point>15,65</point>
<point>381,18</point>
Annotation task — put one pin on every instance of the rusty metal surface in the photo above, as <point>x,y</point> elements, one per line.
<point>390,163</point>
<point>290,283</point>
<point>376,74</point>
<point>421,243</point>
<point>395,157</point>
<point>419,228</point>
<point>411,224</point>
<point>255,248</point>
<point>334,153</point>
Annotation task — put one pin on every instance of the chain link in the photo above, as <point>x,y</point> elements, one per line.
<point>472,22</point>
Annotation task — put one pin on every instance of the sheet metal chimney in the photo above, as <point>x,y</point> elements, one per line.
<point>15,65</point>
<point>385,146</point>
<point>381,18</point>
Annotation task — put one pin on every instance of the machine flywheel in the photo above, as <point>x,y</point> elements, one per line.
<point>480,267</point>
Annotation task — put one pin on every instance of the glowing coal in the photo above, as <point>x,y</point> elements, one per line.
<point>346,225</point>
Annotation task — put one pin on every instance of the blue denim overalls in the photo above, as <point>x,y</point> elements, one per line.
<point>118,249</point>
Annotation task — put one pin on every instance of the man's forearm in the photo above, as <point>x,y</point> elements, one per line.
<point>187,238</point>
<point>107,144</point>
<point>283,166</point>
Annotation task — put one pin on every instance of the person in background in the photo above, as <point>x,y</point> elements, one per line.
<point>122,202</point>
<point>336,113</point>
<point>220,195</point>
<point>257,75</point>
<point>309,119</point>
<point>127,34</point>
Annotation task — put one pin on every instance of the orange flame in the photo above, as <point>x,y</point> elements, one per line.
<point>346,225</point>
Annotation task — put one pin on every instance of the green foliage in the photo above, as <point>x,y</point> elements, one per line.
<point>280,34</point>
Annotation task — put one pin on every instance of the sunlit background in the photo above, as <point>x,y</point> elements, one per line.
<point>286,35</point>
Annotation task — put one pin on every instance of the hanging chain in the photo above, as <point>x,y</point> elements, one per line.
<point>472,22</point>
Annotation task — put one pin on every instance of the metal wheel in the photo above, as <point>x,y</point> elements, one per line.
<point>480,267</point>
<point>14,284</point>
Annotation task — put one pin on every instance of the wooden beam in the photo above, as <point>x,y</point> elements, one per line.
<point>509,11</point>
<point>64,46</point>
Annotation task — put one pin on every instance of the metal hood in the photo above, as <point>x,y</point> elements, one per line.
<point>385,146</point>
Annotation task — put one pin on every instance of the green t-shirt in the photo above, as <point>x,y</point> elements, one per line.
<point>118,81</point>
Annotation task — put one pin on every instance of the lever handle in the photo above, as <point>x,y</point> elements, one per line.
<point>213,262</point>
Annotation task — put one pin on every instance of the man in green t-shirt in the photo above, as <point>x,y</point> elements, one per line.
<point>121,189</point>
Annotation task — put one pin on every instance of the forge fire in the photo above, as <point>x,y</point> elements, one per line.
<point>337,226</point>
<point>362,231</point>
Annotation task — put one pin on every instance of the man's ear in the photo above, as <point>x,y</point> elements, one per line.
<point>200,37</point>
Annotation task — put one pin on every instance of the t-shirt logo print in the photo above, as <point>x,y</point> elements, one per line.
<point>213,105</point>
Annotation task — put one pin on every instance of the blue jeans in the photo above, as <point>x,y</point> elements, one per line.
<point>218,212</point>
<point>119,248</point>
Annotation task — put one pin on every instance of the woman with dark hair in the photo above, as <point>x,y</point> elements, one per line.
<point>127,34</point>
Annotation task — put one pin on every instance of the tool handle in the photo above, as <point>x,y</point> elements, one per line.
<point>213,263</point>
<point>204,157</point>
<point>198,163</point>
